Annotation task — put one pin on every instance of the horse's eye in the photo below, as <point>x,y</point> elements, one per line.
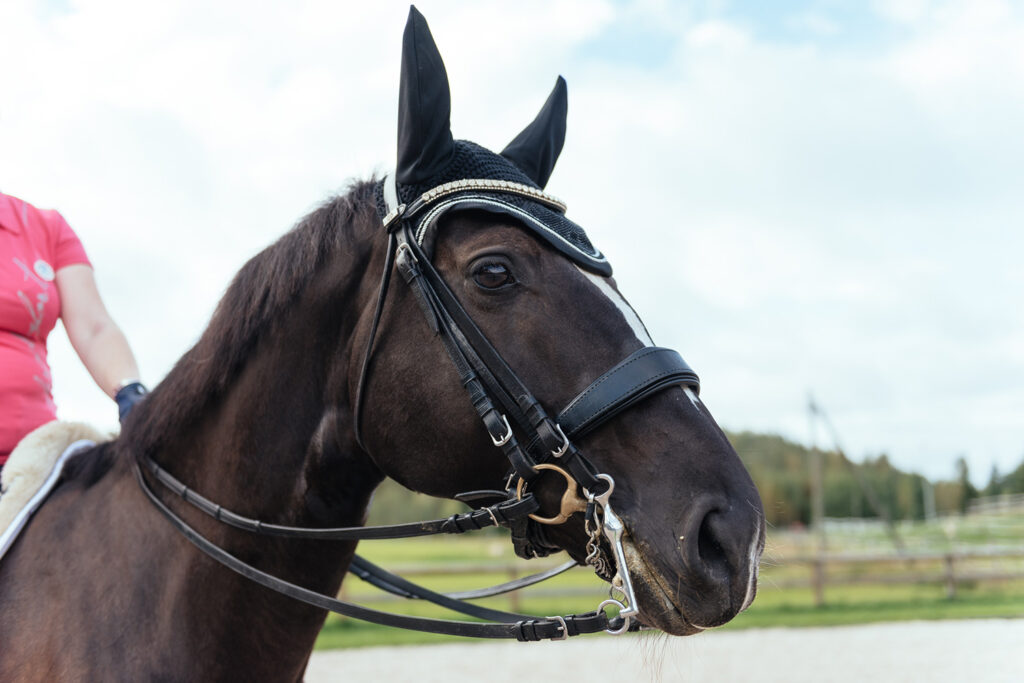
<point>493,276</point>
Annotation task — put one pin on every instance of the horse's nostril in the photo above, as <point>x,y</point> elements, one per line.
<point>718,549</point>
<point>713,556</point>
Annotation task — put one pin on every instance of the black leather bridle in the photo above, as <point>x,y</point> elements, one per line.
<point>517,424</point>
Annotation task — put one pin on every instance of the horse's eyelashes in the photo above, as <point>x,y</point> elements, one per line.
<point>493,276</point>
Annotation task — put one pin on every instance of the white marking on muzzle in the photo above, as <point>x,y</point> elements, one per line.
<point>752,578</point>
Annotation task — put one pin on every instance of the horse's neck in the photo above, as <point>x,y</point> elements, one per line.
<point>274,444</point>
<point>280,438</point>
<point>278,446</point>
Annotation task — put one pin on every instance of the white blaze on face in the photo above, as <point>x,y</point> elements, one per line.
<point>692,396</point>
<point>632,319</point>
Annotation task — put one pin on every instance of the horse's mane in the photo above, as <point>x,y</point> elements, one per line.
<point>261,291</point>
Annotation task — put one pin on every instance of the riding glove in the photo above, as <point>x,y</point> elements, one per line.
<point>126,397</point>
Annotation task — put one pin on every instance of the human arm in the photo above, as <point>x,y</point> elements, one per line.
<point>94,335</point>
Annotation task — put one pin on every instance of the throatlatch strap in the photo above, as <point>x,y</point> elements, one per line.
<point>364,371</point>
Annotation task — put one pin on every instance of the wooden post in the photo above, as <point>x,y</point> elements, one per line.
<point>818,580</point>
<point>950,577</point>
<point>817,507</point>
<point>818,510</point>
<point>514,595</point>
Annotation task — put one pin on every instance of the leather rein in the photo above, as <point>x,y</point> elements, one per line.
<point>506,407</point>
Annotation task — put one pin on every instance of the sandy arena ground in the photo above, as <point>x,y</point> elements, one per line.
<point>970,651</point>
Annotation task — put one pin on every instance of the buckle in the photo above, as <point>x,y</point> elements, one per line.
<point>406,249</point>
<point>565,629</point>
<point>393,216</point>
<point>506,437</point>
<point>561,450</point>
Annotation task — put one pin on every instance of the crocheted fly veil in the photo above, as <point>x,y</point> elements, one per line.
<point>458,174</point>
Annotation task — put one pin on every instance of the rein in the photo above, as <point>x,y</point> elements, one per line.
<point>506,407</point>
<point>509,624</point>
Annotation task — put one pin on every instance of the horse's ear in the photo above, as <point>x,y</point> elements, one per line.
<point>425,144</point>
<point>536,149</point>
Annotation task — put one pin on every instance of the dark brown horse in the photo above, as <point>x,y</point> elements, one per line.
<point>260,416</point>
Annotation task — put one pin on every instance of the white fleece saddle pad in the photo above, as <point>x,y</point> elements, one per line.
<point>33,469</point>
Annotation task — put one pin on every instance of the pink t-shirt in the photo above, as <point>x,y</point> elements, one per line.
<point>34,245</point>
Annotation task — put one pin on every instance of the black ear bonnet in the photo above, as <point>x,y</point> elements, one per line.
<point>510,184</point>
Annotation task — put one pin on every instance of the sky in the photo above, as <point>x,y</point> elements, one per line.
<point>804,198</point>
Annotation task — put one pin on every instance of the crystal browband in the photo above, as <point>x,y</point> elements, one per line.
<point>493,186</point>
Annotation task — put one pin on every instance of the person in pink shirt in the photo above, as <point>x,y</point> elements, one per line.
<point>45,275</point>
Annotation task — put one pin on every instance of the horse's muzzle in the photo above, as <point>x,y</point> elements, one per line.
<point>712,574</point>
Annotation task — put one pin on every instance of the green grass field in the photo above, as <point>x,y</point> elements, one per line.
<point>778,604</point>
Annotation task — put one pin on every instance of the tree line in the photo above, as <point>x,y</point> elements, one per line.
<point>781,470</point>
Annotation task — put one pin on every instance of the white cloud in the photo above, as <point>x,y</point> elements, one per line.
<point>904,11</point>
<point>815,23</point>
<point>792,217</point>
<point>832,221</point>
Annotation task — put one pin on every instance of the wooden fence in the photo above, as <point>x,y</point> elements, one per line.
<point>499,573</point>
<point>1005,503</point>
<point>941,568</point>
<point>948,568</point>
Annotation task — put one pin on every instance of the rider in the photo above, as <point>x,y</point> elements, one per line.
<point>45,275</point>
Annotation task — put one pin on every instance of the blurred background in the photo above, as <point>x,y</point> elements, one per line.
<point>818,203</point>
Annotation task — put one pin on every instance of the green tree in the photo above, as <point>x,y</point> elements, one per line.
<point>963,478</point>
<point>1014,481</point>
<point>995,485</point>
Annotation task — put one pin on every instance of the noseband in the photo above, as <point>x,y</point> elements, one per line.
<point>517,423</point>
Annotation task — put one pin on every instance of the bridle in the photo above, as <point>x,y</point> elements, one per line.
<point>517,423</point>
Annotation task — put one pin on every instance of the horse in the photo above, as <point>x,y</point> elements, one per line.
<point>315,380</point>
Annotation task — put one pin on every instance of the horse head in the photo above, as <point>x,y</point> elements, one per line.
<point>543,298</point>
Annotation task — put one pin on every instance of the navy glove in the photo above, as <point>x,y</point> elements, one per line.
<point>126,397</point>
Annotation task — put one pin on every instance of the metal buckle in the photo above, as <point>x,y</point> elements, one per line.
<point>502,440</point>
<point>571,499</point>
<point>561,450</point>
<point>565,629</point>
<point>406,248</point>
<point>393,215</point>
